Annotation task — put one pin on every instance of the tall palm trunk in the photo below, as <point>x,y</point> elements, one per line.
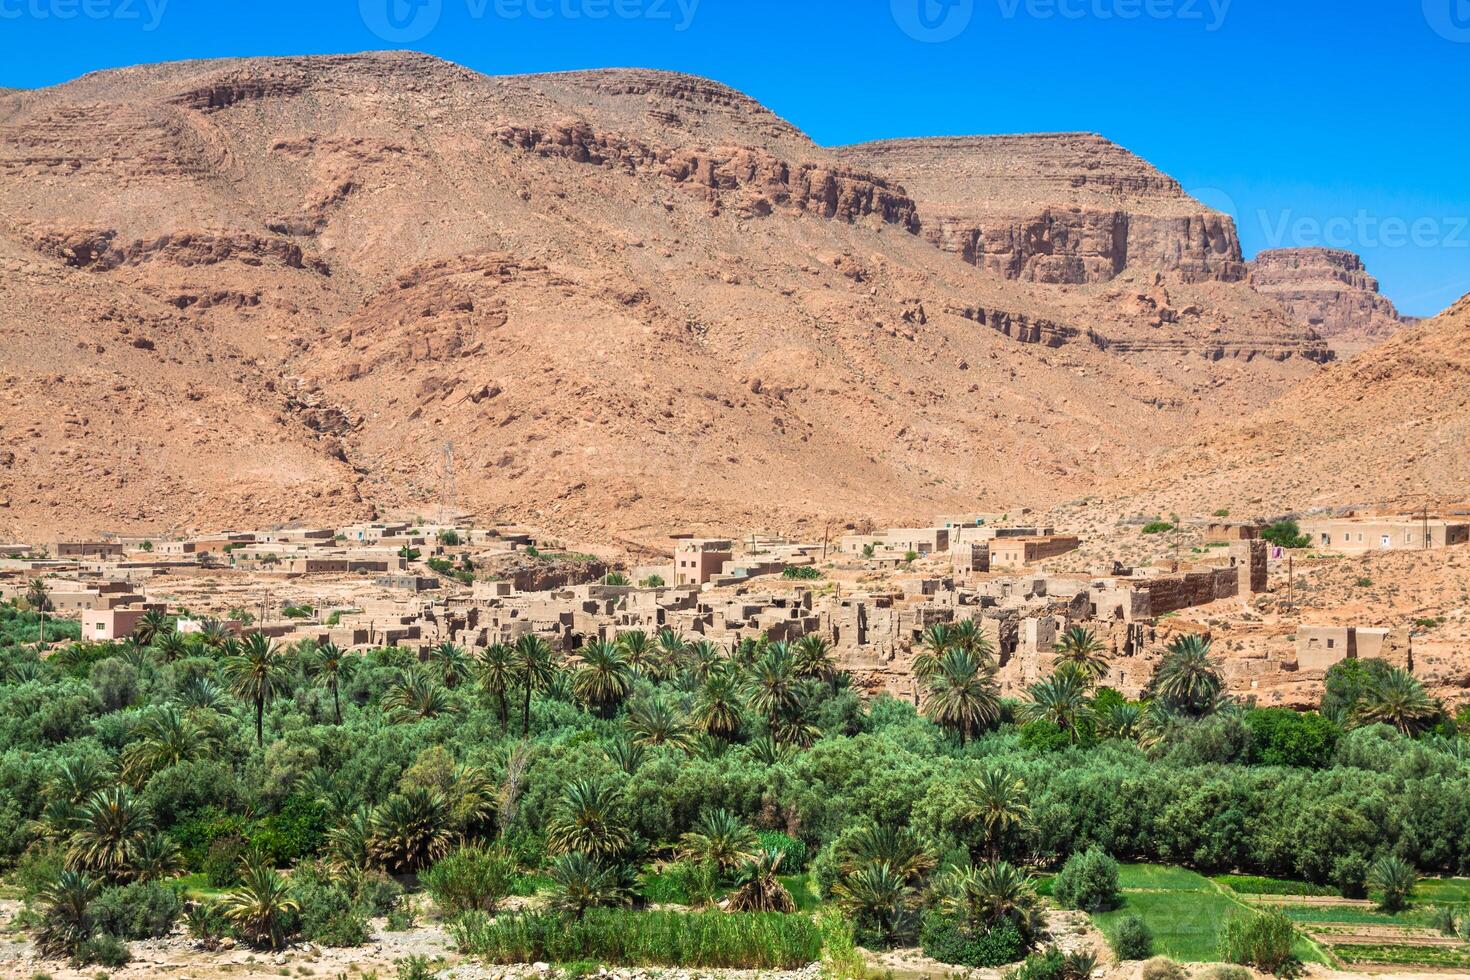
<point>260,723</point>
<point>336,704</point>
<point>526,711</point>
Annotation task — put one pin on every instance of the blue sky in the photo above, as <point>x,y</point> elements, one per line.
<point>1344,123</point>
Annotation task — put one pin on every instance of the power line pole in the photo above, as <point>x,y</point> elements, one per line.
<point>446,482</point>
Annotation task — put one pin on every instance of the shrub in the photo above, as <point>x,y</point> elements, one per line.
<point>1262,941</point>
<point>1133,940</point>
<point>1053,964</point>
<point>206,924</point>
<point>1044,736</point>
<point>619,937</point>
<point>1350,875</point>
<point>1162,968</point>
<point>1157,527</point>
<point>1088,881</point>
<point>103,950</point>
<point>1286,534</point>
<point>801,573</point>
<point>949,940</point>
<point>142,910</point>
<point>471,878</point>
<point>1221,971</point>
<point>329,911</point>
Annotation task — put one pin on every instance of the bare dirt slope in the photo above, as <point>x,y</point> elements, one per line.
<point>1389,426</point>
<point>273,289</point>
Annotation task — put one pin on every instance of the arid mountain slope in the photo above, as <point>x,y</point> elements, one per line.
<point>1056,207</point>
<point>1330,291</point>
<point>1389,426</point>
<point>274,289</point>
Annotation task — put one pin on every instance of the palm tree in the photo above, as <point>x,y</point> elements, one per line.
<point>410,830</point>
<point>900,849</point>
<point>581,882</point>
<point>705,657</point>
<point>497,673</point>
<point>350,843</point>
<point>1060,699</point>
<point>772,683</point>
<point>990,895</point>
<point>452,663</point>
<point>604,678</point>
<point>719,837</point>
<point>962,693</point>
<point>214,632</point>
<point>534,667</point>
<point>157,857</point>
<point>997,800</point>
<point>38,597</point>
<point>1119,721</point>
<point>200,694</point>
<point>1187,679</point>
<point>933,645</point>
<point>76,778</point>
<point>589,820</point>
<point>626,754</point>
<point>256,673</point>
<point>672,649</point>
<point>717,707</point>
<point>170,645</point>
<point>639,652</point>
<point>877,897</point>
<point>1397,698</point>
<point>166,737</point>
<point>261,907</point>
<point>652,722</point>
<point>110,825</point>
<point>813,658</point>
<point>330,666</point>
<point>151,626</point>
<point>758,886</point>
<point>66,921</point>
<point>1394,880</point>
<point>1081,648</point>
<point>967,635</point>
<point>415,697</point>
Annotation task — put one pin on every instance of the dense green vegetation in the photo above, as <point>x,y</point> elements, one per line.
<point>282,790</point>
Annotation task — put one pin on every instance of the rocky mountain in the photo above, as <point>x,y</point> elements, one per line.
<point>632,301</point>
<point>1056,208</point>
<point>1329,291</point>
<point>1388,427</point>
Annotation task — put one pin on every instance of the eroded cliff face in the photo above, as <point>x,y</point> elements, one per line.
<point>1066,208</point>
<point>1330,291</point>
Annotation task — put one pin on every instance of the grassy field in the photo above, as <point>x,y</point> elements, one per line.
<point>1186,924</point>
<point>1185,911</point>
<point>1261,885</point>
<point>1353,915</point>
<point>1443,891</point>
<point>1161,877</point>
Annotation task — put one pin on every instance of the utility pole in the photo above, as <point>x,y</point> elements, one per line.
<point>446,482</point>
<point>1426,526</point>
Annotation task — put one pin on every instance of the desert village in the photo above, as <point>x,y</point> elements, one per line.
<point>872,595</point>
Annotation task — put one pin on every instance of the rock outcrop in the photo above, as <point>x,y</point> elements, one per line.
<point>1056,208</point>
<point>1330,291</point>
